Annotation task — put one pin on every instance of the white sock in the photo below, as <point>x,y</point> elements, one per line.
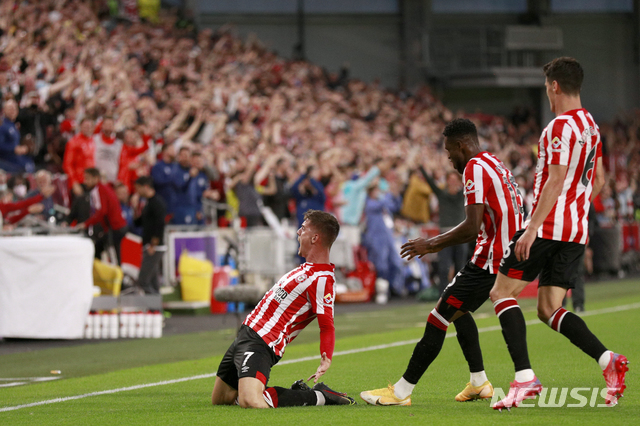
<point>524,375</point>
<point>403,389</point>
<point>320,397</point>
<point>604,359</point>
<point>478,379</point>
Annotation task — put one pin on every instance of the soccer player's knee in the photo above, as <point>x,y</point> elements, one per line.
<point>446,310</point>
<point>544,313</point>
<point>495,294</point>
<point>251,401</point>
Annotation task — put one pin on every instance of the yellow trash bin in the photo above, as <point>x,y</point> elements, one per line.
<point>107,277</point>
<point>195,278</point>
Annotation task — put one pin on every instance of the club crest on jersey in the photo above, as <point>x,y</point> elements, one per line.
<point>328,299</point>
<point>301,278</point>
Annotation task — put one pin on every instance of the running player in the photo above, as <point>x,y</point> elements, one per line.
<point>494,212</point>
<point>292,303</point>
<point>568,176</point>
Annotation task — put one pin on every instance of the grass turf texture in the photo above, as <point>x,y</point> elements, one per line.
<point>113,365</point>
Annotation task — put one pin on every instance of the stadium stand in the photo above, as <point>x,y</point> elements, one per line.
<point>246,122</point>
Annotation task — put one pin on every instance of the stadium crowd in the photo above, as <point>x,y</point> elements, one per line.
<point>212,117</point>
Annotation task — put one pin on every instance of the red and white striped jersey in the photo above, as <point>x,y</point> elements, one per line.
<point>487,181</point>
<point>573,140</point>
<point>293,302</point>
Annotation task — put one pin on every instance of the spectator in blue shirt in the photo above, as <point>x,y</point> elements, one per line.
<point>308,194</point>
<point>13,156</point>
<point>198,186</point>
<point>163,174</point>
<point>378,237</point>
<point>184,209</point>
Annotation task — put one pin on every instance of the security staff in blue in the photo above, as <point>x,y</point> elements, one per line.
<point>197,186</point>
<point>185,209</point>
<point>163,174</point>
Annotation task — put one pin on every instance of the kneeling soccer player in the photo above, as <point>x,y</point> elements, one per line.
<point>292,303</point>
<point>494,212</point>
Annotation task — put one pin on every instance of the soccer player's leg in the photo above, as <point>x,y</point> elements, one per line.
<point>424,353</point>
<point>554,283</point>
<point>512,278</point>
<point>251,393</point>
<point>225,389</point>
<point>470,291</point>
<point>223,394</point>
<point>253,360</point>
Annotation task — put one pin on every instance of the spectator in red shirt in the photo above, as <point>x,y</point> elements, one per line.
<point>79,155</point>
<point>105,211</point>
<point>131,149</point>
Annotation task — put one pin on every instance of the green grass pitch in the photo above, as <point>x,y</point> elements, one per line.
<point>109,366</point>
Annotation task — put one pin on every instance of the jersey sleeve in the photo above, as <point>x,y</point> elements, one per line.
<point>322,299</point>
<point>557,143</point>
<point>474,184</point>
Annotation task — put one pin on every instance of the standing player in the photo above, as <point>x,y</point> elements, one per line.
<point>568,176</point>
<point>494,212</point>
<point>297,299</point>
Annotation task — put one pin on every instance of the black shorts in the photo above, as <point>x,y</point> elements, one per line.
<point>557,262</point>
<point>248,356</point>
<point>470,288</point>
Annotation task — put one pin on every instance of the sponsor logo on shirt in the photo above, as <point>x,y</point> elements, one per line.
<point>587,133</point>
<point>280,295</point>
<point>328,299</point>
<point>469,187</point>
<point>556,145</point>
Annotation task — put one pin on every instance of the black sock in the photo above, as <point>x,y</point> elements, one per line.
<point>467,333</point>
<point>283,397</point>
<point>575,329</point>
<point>427,348</point>
<point>514,330</point>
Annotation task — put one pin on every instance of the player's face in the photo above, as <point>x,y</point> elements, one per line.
<point>454,150</point>
<point>551,95</point>
<point>306,237</point>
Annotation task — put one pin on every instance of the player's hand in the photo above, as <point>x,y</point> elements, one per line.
<point>523,245</point>
<point>418,247</point>
<point>325,363</point>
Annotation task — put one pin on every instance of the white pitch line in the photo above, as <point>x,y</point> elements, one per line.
<point>293,361</point>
